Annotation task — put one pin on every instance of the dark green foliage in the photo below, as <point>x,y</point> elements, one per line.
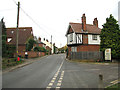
<point>9,62</point>
<point>11,49</point>
<point>30,44</point>
<point>40,49</point>
<point>4,37</point>
<point>110,37</point>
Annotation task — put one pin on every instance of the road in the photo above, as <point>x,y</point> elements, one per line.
<point>56,72</point>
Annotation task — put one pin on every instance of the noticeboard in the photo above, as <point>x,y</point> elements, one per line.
<point>108,54</point>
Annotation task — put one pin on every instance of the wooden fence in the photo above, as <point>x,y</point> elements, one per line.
<point>89,55</point>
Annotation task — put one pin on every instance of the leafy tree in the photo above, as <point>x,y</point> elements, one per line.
<point>4,37</point>
<point>40,49</point>
<point>30,44</point>
<point>110,37</point>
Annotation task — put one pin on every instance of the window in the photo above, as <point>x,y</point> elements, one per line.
<point>9,39</point>
<point>94,37</point>
<point>71,37</point>
<point>12,31</point>
<point>73,49</point>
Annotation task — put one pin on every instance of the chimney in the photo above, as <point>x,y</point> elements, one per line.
<point>44,39</point>
<point>95,22</point>
<point>47,40</point>
<point>84,22</point>
<point>39,39</point>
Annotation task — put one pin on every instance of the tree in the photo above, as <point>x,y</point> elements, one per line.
<point>30,44</point>
<point>40,49</point>
<point>110,37</point>
<point>4,38</point>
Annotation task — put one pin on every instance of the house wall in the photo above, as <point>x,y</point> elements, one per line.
<point>91,41</point>
<point>74,38</point>
<point>85,39</point>
<point>81,48</point>
<point>21,48</point>
<point>88,48</point>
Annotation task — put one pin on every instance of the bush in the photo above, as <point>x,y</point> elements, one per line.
<point>40,49</point>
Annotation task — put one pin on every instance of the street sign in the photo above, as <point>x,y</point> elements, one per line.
<point>108,54</point>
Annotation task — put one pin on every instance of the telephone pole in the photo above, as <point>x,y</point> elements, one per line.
<point>17,29</point>
<point>51,44</point>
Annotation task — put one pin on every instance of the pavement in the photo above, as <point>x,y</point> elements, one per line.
<point>55,72</point>
<point>27,62</point>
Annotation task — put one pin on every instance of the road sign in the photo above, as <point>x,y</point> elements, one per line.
<point>108,54</point>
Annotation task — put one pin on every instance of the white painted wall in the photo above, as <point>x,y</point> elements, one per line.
<point>76,38</point>
<point>91,41</point>
<point>69,38</point>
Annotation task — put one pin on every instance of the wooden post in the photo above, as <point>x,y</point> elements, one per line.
<point>17,29</point>
<point>100,86</point>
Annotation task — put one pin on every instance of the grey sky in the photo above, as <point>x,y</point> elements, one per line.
<point>53,16</point>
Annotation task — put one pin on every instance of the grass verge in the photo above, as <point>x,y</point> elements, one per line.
<point>9,62</point>
<point>114,87</point>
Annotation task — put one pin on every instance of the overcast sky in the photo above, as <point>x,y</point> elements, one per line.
<point>52,17</point>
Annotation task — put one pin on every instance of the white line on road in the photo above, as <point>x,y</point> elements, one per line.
<point>55,76</point>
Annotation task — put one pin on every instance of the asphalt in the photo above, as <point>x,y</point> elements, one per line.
<point>55,72</point>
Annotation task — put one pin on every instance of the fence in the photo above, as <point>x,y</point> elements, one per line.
<point>89,55</point>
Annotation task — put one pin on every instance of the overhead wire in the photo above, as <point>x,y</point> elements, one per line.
<point>33,20</point>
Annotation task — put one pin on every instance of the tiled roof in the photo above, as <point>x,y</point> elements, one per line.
<point>24,34</point>
<point>92,29</point>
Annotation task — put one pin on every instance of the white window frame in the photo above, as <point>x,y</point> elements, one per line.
<point>94,37</point>
<point>73,49</point>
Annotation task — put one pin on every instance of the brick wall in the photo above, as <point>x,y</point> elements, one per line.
<point>88,48</point>
<point>21,48</point>
<point>32,54</point>
<point>85,39</point>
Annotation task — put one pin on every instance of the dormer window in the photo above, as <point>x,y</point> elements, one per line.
<point>94,37</point>
<point>12,31</point>
<point>9,39</point>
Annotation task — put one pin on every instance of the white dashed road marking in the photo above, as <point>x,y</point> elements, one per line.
<point>54,78</point>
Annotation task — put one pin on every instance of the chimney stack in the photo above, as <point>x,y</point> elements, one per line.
<point>95,22</point>
<point>47,40</point>
<point>39,39</point>
<point>84,22</point>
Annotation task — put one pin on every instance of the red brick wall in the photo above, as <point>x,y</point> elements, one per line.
<point>32,54</point>
<point>85,39</point>
<point>21,48</point>
<point>69,50</point>
<point>88,48</point>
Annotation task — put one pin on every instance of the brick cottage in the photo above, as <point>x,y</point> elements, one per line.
<point>83,37</point>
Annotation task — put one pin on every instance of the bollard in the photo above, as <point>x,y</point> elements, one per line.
<point>100,86</point>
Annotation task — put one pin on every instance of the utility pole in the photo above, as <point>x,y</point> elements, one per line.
<point>51,44</point>
<point>17,29</point>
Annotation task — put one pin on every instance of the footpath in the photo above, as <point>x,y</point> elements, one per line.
<point>26,62</point>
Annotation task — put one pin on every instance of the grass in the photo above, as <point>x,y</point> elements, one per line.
<point>114,87</point>
<point>9,62</point>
